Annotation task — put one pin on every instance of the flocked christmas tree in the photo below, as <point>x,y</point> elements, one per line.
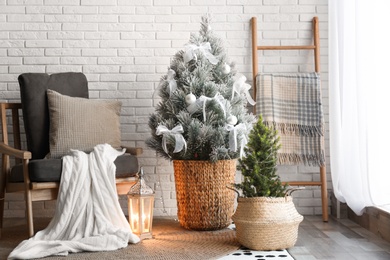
<point>258,167</point>
<point>203,113</point>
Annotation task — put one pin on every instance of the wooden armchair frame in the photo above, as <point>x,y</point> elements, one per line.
<point>34,191</point>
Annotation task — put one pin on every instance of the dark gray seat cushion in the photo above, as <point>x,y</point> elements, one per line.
<point>48,170</point>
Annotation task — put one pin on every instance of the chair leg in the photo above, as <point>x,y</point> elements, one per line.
<point>28,198</point>
<point>2,201</point>
<point>1,212</point>
<point>2,189</point>
<point>324,194</point>
<point>29,214</point>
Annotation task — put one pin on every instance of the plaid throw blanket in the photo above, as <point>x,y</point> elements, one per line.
<point>291,103</point>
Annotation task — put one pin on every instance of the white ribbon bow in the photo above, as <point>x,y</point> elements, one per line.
<point>171,81</point>
<point>218,98</point>
<point>239,86</point>
<point>233,137</point>
<point>180,142</point>
<point>204,47</point>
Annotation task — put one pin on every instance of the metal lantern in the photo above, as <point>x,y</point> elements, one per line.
<point>140,199</point>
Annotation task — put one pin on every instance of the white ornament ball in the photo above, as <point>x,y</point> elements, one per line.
<point>190,99</point>
<point>226,69</point>
<point>232,120</point>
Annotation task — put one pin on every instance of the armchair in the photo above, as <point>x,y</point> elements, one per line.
<point>33,174</point>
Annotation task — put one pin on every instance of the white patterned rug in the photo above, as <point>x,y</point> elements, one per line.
<point>243,254</point>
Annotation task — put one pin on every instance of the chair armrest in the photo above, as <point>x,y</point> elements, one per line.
<point>6,149</point>
<point>133,150</point>
<point>6,105</point>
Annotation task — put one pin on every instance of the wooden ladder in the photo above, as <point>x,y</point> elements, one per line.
<point>316,48</point>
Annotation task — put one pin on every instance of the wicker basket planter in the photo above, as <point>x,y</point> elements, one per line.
<point>264,223</point>
<point>203,200</point>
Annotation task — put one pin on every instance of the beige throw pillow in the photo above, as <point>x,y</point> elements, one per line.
<point>81,124</point>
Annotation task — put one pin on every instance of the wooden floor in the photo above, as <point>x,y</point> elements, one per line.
<point>338,239</point>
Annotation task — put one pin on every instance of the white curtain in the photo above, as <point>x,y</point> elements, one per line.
<point>359,102</point>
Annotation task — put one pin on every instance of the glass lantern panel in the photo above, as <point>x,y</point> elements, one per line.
<point>146,206</point>
<point>134,214</point>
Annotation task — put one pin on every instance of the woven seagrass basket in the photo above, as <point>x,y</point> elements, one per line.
<point>203,200</point>
<point>265,223</point>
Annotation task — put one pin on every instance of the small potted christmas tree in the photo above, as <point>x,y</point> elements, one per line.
<point>266,218</point>
<point>258,167</point>
<point>202,124</point>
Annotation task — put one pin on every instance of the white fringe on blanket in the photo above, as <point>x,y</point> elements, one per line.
<point>295,159</point>
<point>88,215</point>
<point>294,129</point>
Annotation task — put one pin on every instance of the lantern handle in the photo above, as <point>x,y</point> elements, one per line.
<point>140,173</point>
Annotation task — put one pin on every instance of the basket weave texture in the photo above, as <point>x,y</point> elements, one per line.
<point>203,200</point>
<point>265,223</point>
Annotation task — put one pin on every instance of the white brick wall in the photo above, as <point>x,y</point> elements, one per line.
<point>125,46</point>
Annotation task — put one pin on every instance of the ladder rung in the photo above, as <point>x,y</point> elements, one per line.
<point>302,47</point>
<point>304,183</point>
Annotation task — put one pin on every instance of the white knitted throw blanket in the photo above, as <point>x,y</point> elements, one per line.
<point>88,215</point>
